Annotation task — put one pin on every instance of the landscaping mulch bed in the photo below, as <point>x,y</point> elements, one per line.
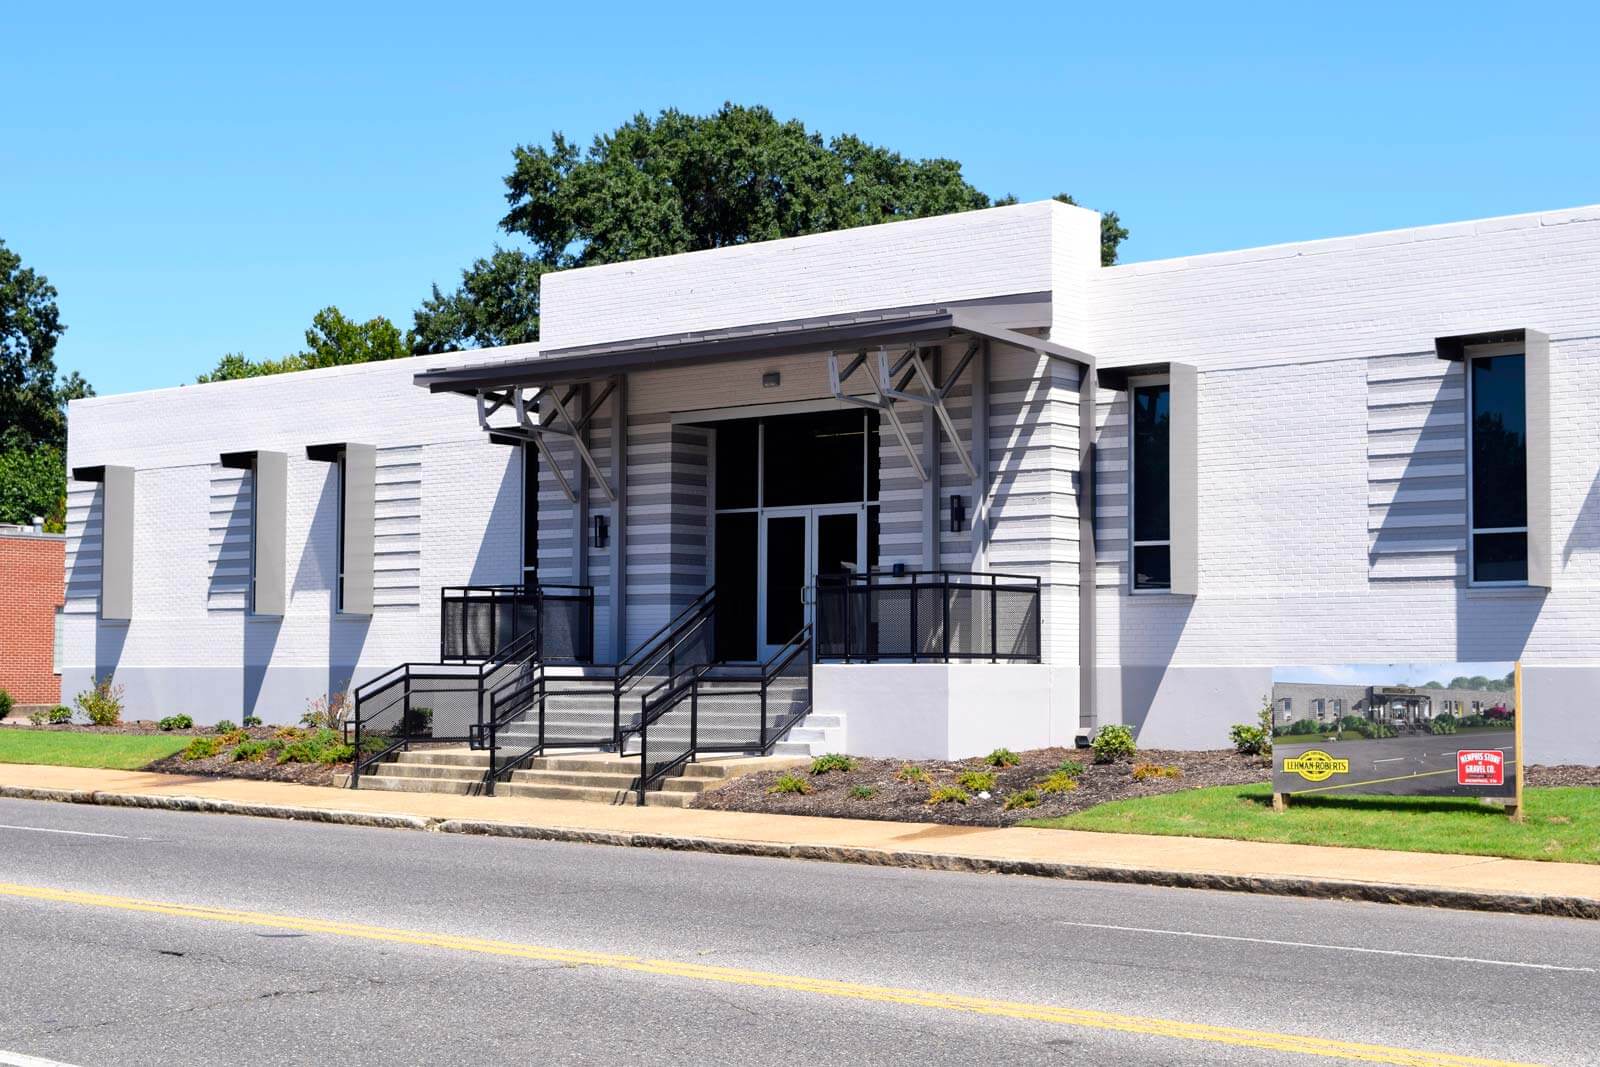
<point>223,765</point>
<point>908,801</point>
<point>1562,774</point>
<point>139,726</point>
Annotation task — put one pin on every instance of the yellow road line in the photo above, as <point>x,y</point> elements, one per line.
<point>1044,1013</point>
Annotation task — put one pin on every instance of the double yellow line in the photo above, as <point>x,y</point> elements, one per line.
<point>1041,1013</point>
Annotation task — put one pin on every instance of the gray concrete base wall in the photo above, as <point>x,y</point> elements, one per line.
<point>278,695</point>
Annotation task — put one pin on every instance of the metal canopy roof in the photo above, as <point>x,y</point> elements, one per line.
<point>835,333</point>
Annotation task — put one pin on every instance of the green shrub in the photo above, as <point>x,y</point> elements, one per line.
<point>1071,768</point>
<point>59,715</point>
<point>976,781</point>
<point>789,783</point>
<point>1143,772</point>
<point>322,746</point>
<point>39,718</point>
<point>1113,743</point>
<point>1250,740</point>
<point>418,722</point>
<point>102,704</point>
<point>202,748</point>
<point>863,792</point>
<point>910,772</point>
<point>1025,798</point>
<point>176,722</point>
<point>833,761</point>
<point>251,751</point>
<point>6,703</point>
<point>251,720</point>
<point>1444,724</point>
<point>947,794</point>
<point>224,726</point>
<point>233,737</point>
<point>1058,782</point>
<point>1002,757</point>
<point>289,733</point>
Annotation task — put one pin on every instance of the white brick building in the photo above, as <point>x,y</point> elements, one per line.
<point>1315,452</point>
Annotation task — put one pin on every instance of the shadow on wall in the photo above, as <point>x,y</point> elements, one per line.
<point>230,574</point>
<point>1153,626</point>
<point>1416,446</point>
<point>1493,625</point>
<point>498,560</point>
<point>260,640</point>
<point>1585,536</point>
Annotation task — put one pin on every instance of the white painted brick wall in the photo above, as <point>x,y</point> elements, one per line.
<point>921,261</point>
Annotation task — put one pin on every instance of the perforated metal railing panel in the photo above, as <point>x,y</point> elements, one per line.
<point>443,705</point>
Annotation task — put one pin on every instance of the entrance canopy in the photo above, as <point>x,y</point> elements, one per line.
<point>1000,319</point>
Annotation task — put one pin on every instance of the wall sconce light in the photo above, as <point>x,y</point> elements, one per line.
<point>899,570</point>
<point>771,380</point>
<point>602,532</point>
<point>958,513</point>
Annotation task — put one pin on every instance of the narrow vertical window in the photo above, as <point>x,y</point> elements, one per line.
<point>339,549</point>
<point>530,515</point>
<point>1498,505</point>
<point>1150,492</point>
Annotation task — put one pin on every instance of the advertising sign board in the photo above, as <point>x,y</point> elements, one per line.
<point>1442,730</point>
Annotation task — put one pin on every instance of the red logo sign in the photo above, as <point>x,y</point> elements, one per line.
<point>1481,767</point>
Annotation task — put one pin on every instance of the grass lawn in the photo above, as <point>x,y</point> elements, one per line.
<point>118,752</point>
<point>1562,824</point>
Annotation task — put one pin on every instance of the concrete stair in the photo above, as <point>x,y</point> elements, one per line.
<point>597,777</point>
<point>814,735</point>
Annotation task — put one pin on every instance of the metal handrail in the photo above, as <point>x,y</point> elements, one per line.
<point>688,687</point>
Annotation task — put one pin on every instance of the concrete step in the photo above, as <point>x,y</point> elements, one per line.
<point>455,786</point>
<point>440,771</point>
<point>586,779</point>
<point>449,757</point>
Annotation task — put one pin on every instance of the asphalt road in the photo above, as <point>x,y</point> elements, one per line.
<point>738,946</point>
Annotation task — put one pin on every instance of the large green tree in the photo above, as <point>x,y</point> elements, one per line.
<point>333,339</point>
<point>681,183</point>
<point>33,396</point>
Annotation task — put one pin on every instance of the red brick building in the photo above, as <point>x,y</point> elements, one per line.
<point>32,577</point>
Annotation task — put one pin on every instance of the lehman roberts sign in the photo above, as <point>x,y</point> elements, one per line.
<point>1399,741</point>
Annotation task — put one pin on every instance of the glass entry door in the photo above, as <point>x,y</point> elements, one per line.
<point>797,544</point>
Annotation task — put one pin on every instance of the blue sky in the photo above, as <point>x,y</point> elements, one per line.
<point>201,179</point>
<point>1414,674</point>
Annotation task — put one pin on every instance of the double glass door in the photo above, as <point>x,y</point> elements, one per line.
<point>798,544</point>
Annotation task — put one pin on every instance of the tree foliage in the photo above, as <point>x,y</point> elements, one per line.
<point>33,398</point>
<point>682,183</point>
<point>332,340</point>
<point>33,483</point>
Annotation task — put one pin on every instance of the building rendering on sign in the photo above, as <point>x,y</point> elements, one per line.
<point>1389,704</point>
<point>917,489</point>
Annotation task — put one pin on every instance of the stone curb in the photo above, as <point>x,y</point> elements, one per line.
<point>1319,888</point>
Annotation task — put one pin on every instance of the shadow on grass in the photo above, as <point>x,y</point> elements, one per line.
<point>1458,805</point>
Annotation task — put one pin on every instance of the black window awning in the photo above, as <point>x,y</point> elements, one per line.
<point>999,320</point>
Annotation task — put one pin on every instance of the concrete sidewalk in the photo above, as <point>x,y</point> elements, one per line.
<point>1300,870</point>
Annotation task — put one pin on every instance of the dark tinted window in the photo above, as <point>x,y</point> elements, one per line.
<point>1499,468</point>
<point>1151,467</point>
<point>1152,567</point>
<point>814,459</point>
<point>530,512</point>
<point>736,464</point>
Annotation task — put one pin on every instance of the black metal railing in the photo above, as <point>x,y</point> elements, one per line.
<point>526,716</point>
<point>928,617</point>
<point>477,621</point>
<point>716,708</point>
<point>429,702</point>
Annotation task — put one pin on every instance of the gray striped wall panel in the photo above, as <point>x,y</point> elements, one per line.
<point>228,538</point>
<point>397,529</point>
<point>1416,469</point>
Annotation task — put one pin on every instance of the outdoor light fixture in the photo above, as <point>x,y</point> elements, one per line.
<point>958,513</point>
<point>771,380</point>
<point>602,532</point>
<point>899,570</point>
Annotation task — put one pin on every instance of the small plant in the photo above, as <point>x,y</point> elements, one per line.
<point>947,794</point>
<point>1058,782</point>
<point>1002,757</point>
<point>1113,743</point>
<point>789,783</point>
<point>1143,772</point>
<point>224,726</point>
<point>1071,768</point>
<point>327,712</point>
<point>288,733</point>
<point>202,748</point>
<point>102,704</point>
<point>1250,740</point>
<point>39,718</point>
<point>233,737</point>
<point>251,720</point>
<point>910,772</point>
<point>252,751</point>
<point>833,761</point>
<point>6,703</point>
<point>59,715</point>
<point>1025,798</point>
<point>1444,724</point>
<point>976,781</point>
<point>863,792</point>
<point>322,746</point>
<point>418,722</point>
<point>176,722</point>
